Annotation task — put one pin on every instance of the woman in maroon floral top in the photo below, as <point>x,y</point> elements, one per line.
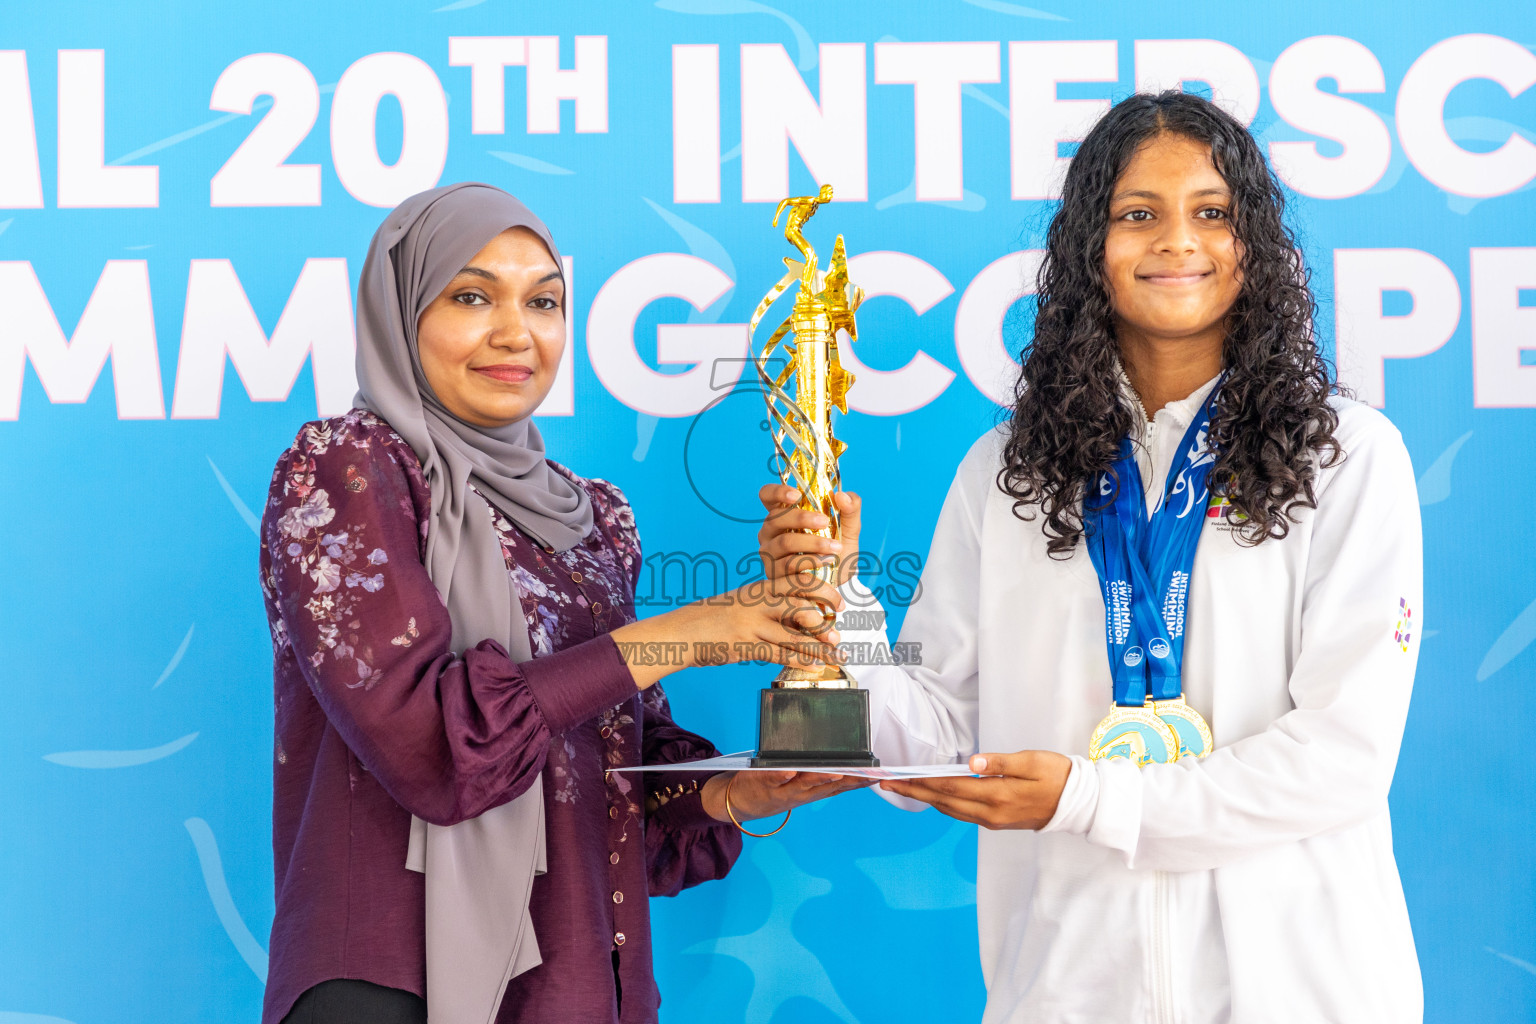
<point>387,712</point>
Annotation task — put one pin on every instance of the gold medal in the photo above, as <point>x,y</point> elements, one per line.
<point>1135,733</point>
<point>1193,734</point>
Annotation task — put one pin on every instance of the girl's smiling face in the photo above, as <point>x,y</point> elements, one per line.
<point>491,342</point>
<point>1170,258</point>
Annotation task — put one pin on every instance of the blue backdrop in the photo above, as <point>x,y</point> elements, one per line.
<point>135,863</point>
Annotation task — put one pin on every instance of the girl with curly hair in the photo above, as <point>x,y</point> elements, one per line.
<point>1182,584</point>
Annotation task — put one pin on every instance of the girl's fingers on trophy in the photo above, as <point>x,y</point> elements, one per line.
<point>817,590</point>
<point>794,521</point>
<point>800,570</point>
<point>777,496</point>
<point>777,568</point>
<point>782,514</point>
<point>792,542</point>
<point>782,546</point>
<point>850,508</point>
<point>795,562</point>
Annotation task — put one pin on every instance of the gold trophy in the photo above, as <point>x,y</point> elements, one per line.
<point>811,717</point>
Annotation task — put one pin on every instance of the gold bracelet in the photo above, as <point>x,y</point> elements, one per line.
<point>732,813</point>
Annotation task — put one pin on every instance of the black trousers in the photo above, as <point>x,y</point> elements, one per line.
<point>357,1002</point>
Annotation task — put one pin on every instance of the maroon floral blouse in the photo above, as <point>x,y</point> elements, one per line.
<point>376,720</point>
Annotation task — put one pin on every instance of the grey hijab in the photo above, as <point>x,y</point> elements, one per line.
<point>479,873</point>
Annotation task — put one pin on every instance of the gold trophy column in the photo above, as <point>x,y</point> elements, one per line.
<point>811,716</point>
<point>815,356</point>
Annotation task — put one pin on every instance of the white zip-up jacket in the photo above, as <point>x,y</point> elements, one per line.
<point>1255,885</point>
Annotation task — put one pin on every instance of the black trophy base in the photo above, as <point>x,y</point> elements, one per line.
<point>812,727</point>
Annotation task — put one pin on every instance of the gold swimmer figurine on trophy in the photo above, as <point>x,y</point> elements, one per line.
<point>811,717</point>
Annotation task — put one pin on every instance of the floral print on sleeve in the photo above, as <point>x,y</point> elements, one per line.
<point>335,560</point>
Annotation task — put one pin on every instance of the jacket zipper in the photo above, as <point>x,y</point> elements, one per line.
<point>1162,981</point>
<point>1162,970</point>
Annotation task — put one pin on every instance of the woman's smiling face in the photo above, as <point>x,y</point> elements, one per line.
<point>490,343</point>
<point>1170,258</point>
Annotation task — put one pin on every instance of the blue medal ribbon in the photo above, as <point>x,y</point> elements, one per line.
<point>1144,564</point>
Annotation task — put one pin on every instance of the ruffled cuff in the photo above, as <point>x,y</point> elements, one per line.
<point>683,845</point>
<point>572,685</point>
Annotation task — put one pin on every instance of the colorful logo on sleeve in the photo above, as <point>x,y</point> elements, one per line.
<point>1404,631</point>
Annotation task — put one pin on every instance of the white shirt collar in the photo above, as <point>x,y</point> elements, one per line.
<point>1180,411</point>
<point>1155,449</point>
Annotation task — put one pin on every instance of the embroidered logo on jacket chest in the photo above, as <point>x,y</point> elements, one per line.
<point>1222,515</point>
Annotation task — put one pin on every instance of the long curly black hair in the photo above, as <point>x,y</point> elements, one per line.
<point>1271,424</point>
